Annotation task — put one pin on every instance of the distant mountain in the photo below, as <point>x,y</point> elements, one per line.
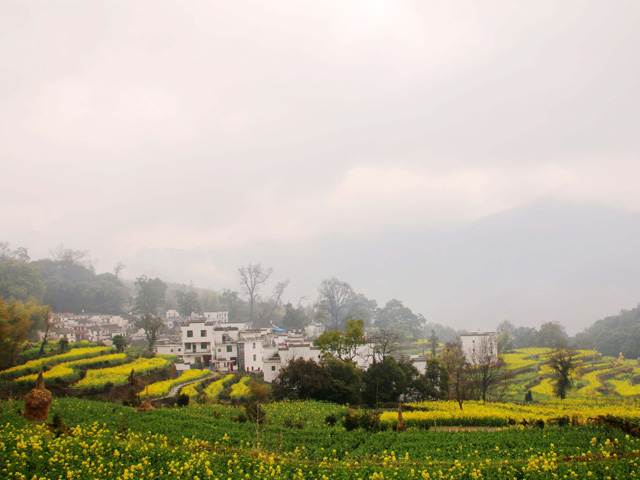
<point>547,261</point>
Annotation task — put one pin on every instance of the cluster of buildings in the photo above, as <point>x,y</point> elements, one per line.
<point>93,328</point>
<point>211,341</point>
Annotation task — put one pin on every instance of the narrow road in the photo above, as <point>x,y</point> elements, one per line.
<point>175,388</point>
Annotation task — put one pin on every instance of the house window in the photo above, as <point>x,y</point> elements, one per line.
<point>254,346</point>
<point>219,350</point>
<point>254,359</point>
<point>172,350</point>
<point>203,346</point>
<point>229,348</point>
<point>187,346</point>
<point>203,333</point>
<point>273,368</point>
<point>179,349</point>
<point>189,333</point>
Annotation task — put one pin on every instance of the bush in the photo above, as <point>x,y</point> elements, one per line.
<point>183,400</point>
<point>365,419</point>
<point>331,420</point>
<point>241,418</point>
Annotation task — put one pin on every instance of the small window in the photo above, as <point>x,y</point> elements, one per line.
<point>179,349</point>
<point>189,333</point>
<point>229,348</point>
<point>203,346</point>
<point>273,368</point>
<point>172,350</point>
<point>254,359</point>
<point>187,346</point>
<point>219,350</point>
<point>254,346</point>
<point>203,333</point>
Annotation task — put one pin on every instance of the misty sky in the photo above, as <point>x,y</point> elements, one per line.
<point>188,138</point>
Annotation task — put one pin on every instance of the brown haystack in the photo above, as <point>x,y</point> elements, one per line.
<point>146,405</point>
<point>37,402</point>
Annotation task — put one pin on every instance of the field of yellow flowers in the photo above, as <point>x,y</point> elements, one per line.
<point>594,375</point>
<point>209,441</point>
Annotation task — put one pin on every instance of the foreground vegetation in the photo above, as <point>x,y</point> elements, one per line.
<point>297,440</point>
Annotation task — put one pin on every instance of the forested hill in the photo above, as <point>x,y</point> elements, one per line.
<point>614,334</point>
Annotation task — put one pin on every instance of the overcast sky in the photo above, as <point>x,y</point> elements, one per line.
<point>135,128</point>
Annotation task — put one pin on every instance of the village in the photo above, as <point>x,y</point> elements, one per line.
<point>210,340</point>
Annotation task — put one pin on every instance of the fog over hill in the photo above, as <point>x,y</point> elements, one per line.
<point>547,261</point>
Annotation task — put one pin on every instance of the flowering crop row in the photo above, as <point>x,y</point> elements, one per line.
<point>118,375</point>
<point>214,388</point>
<point>34,366</point>
<point>240,389</point>
<point>501,414</point>
<point>161,389</point>
<point>69,371</point>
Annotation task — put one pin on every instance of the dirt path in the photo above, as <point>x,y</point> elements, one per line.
<point>175,389</point>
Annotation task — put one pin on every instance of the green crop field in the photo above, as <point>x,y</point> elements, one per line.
<point>212,441</point>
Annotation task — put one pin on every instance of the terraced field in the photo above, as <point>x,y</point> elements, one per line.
<point>594,376</point>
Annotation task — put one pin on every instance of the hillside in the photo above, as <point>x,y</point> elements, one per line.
<point>595,376</point>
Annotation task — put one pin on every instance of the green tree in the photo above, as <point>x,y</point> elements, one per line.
<point>231,301</point>
<point>434,384</point>
<point>188,303</point>
<point>346,382</point>
<point>384,382</point>
<point>151,295</point>
<point>562,362</point>
<point>395,315</point>
<point>552,335</point>
<point>151,326</point>
<point>63,345</point>
<point>20,281</point>
<point>342,345</point>
<point>294,318</point>
<point>433,342</point>
<point>301,379</point>
<point>119,342</point>
<point>505,332</point>
<point>15,321</point>
<point>364,308</point>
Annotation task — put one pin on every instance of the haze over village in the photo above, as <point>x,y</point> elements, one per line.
<point>346,240</point>
<point>476,163</point>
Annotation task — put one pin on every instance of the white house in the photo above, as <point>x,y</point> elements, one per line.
<point>478,347</point>
<point>282,355</point>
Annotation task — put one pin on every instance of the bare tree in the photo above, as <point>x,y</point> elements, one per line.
<point>118,268</point>
<point>335,298</point>
<point>385,343</point>
<point>71,257</point>
<point>461,386</point>
<point>50,322</point>
<point>252,277</point>
<point>151,326</point>
<point>274,302</point>
<point>487,370</point>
